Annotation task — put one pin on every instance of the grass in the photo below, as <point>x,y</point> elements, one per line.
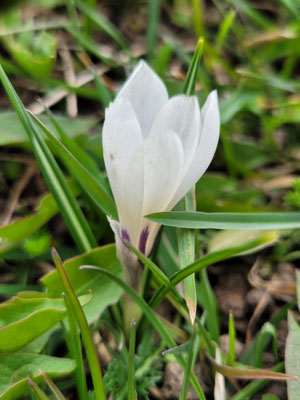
<point>248,203</point>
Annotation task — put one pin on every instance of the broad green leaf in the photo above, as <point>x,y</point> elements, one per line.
<point>12,131</point>
<point>13,234</point>
<point>23,319</point>
<point>104,291</point>
<point>15,368</point>
<point>292,357</point>
<point>200,220</point>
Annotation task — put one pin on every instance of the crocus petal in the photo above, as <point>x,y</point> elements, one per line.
<point>206,148</point>
<point>181,114</point>
<point>163,158</point>
<point>147,94</point>
<point>123,156</point>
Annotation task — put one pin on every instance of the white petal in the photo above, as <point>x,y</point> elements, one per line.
<point>163,170</point>
<point>123,156</point>
<point>206,149</point>
<point>147,94</point>
<point>181,114</point>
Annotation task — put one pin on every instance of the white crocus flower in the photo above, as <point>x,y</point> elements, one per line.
<point>155,150</point>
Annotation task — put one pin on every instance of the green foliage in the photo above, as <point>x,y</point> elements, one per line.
<point>148,370</point>
<point>293,197</point>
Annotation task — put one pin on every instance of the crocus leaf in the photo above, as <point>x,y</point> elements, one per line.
<point>292,359</point>
<point>15,368</point>
<point>104,291</point>
<point>200,220</point>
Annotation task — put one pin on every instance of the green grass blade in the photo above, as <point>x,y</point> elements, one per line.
<point>131,369</point>
<point>105,95</point>
<point>186,250</point>
<point>87,43</point>
<point>97,193</point>
<point>198,13</point>
<point>54,389</point>
<point>102,22</point>
<point>54,178</point>
<point>232,338</point>
<point>153,12</point>
<point>76,352</point>
<point>153,319</point>
<point>186,237</point>
<point>73,147</point>
<point>40,395</point>
<point>81,320</point>
<point>201,220</point>
<point>208,301</point>
<point>249,390</point>
<point>191,78</point>
<point>224,29</point>
<point>189,366</point>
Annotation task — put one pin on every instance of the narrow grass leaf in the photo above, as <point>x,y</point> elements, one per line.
<point>201,220</point>
<point>87,339</point>
<point>152,29</point>
<point>292,358</point>
<point>191,78</point>
<point>131,370</point>
<point>254,387</point>
<point>249,373</point>
<point>54,389</point>
<point>55,180</point>
<point>186,237</point>
<point>105,95</point>
<point>78,152</point>
<point>89,184</point>
<point>76,352</point>
<point>189,366</point>
<point>232,339</point>
<point>207,299</point>
<point>37,390</point>
<point>224,29</point>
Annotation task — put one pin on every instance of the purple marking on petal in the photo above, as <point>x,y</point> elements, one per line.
<point>143,239</point>
<point>124,236</point>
